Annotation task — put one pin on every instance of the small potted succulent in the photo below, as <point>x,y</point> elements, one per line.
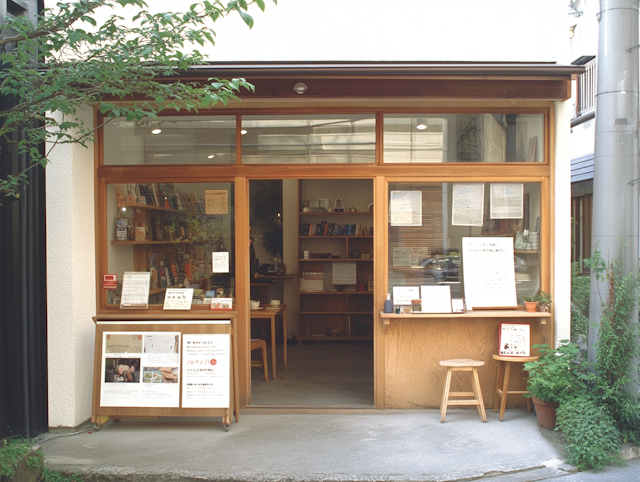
<point>530,303</point>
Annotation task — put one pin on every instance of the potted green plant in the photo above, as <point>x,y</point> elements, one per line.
<point>544,301</point>
<point>555,376</point>
<point>530,303</point>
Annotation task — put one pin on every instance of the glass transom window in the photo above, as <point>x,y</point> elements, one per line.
<point>318,139</point>
<point>171,140</point>
<point>432,138</point>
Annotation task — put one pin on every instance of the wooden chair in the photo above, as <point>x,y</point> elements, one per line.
<point>256,344</point>
<point>502,382</point>
<point>462,365</point>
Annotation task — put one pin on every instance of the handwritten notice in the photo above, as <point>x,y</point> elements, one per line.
<point>405,208</point>
<point>178,299</point>
<point>403,295</point>
<point>489,274</point>
<point>343,273</point>
<point>506,200</point>
<point>220,262</point>
<point>216,201</point>
<point>135,290</point>
<point>515,339</point>
<point>468,204</point>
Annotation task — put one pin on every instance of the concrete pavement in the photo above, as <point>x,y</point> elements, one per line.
<point>358,446</point>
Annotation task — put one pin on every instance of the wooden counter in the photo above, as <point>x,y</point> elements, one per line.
<point>415,343</point>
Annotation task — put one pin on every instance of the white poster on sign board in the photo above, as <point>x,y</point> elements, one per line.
<point>140,369</point>
<point>206,370</point>
<point>489,274</point>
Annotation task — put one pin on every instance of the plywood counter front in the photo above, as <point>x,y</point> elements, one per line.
<point>415,343</point>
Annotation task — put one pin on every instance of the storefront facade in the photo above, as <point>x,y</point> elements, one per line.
<point>449,139</point>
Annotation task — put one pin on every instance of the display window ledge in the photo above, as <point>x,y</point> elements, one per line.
<point>541,316</point>
<point>138,315</point>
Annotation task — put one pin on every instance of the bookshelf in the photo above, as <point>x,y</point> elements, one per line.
<point>168,234</point>
<point>335,296</point>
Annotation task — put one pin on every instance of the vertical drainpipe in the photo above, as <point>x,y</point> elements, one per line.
<point>615,185</point>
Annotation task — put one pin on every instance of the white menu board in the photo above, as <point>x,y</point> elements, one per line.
<point>489,274</point>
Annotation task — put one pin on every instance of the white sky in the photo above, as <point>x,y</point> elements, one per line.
<point>457,30</point>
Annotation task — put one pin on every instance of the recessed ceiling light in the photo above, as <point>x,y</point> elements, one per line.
<point>243,131</point>
<point>300,88</point>
<point>421,127</point>
<point>157,130</point>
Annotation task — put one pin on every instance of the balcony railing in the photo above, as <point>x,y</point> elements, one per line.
<point>586,91</point>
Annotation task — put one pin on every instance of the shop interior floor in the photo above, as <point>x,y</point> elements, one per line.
<point>324,375</point>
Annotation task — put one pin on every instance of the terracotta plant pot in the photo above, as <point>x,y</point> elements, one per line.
<point>545,413</point>
<point>531,306</point>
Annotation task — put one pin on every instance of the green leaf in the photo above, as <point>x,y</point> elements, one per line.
<point>247,18</point>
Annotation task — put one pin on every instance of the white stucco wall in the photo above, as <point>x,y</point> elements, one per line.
<point>70,282</point>
<point>562,225</point>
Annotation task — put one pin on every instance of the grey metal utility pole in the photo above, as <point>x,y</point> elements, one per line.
<point>615,184</point>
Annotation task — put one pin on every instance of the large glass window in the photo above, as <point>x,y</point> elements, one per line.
<point>317,139</point>
<point>426,231</point>
<point>171,140</point>
<point>173,231</point>
<point>463,138</point>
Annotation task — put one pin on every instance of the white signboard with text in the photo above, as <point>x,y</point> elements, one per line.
<point>489,274</point>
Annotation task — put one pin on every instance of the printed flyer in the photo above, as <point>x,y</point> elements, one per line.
<point>206,370</point>
<point>140,369</point>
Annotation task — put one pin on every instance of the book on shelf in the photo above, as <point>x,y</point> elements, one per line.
<point>332,229</point>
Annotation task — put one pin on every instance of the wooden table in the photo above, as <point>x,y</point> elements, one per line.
<point>262,283</point>
<point>268,313</point>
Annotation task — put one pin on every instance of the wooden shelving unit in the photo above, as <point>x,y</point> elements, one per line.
<point>328,311</point>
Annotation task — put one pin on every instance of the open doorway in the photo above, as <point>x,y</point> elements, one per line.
<point>313,244</point>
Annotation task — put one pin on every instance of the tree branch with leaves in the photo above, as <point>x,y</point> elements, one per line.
<point>67,60</point>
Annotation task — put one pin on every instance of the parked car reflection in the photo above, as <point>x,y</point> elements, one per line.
<point>442,268</point>
<point>447,268</point>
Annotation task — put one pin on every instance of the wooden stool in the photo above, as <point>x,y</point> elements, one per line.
<point>462,365</point>
<point>502,382</point>
<point>260,344</point>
